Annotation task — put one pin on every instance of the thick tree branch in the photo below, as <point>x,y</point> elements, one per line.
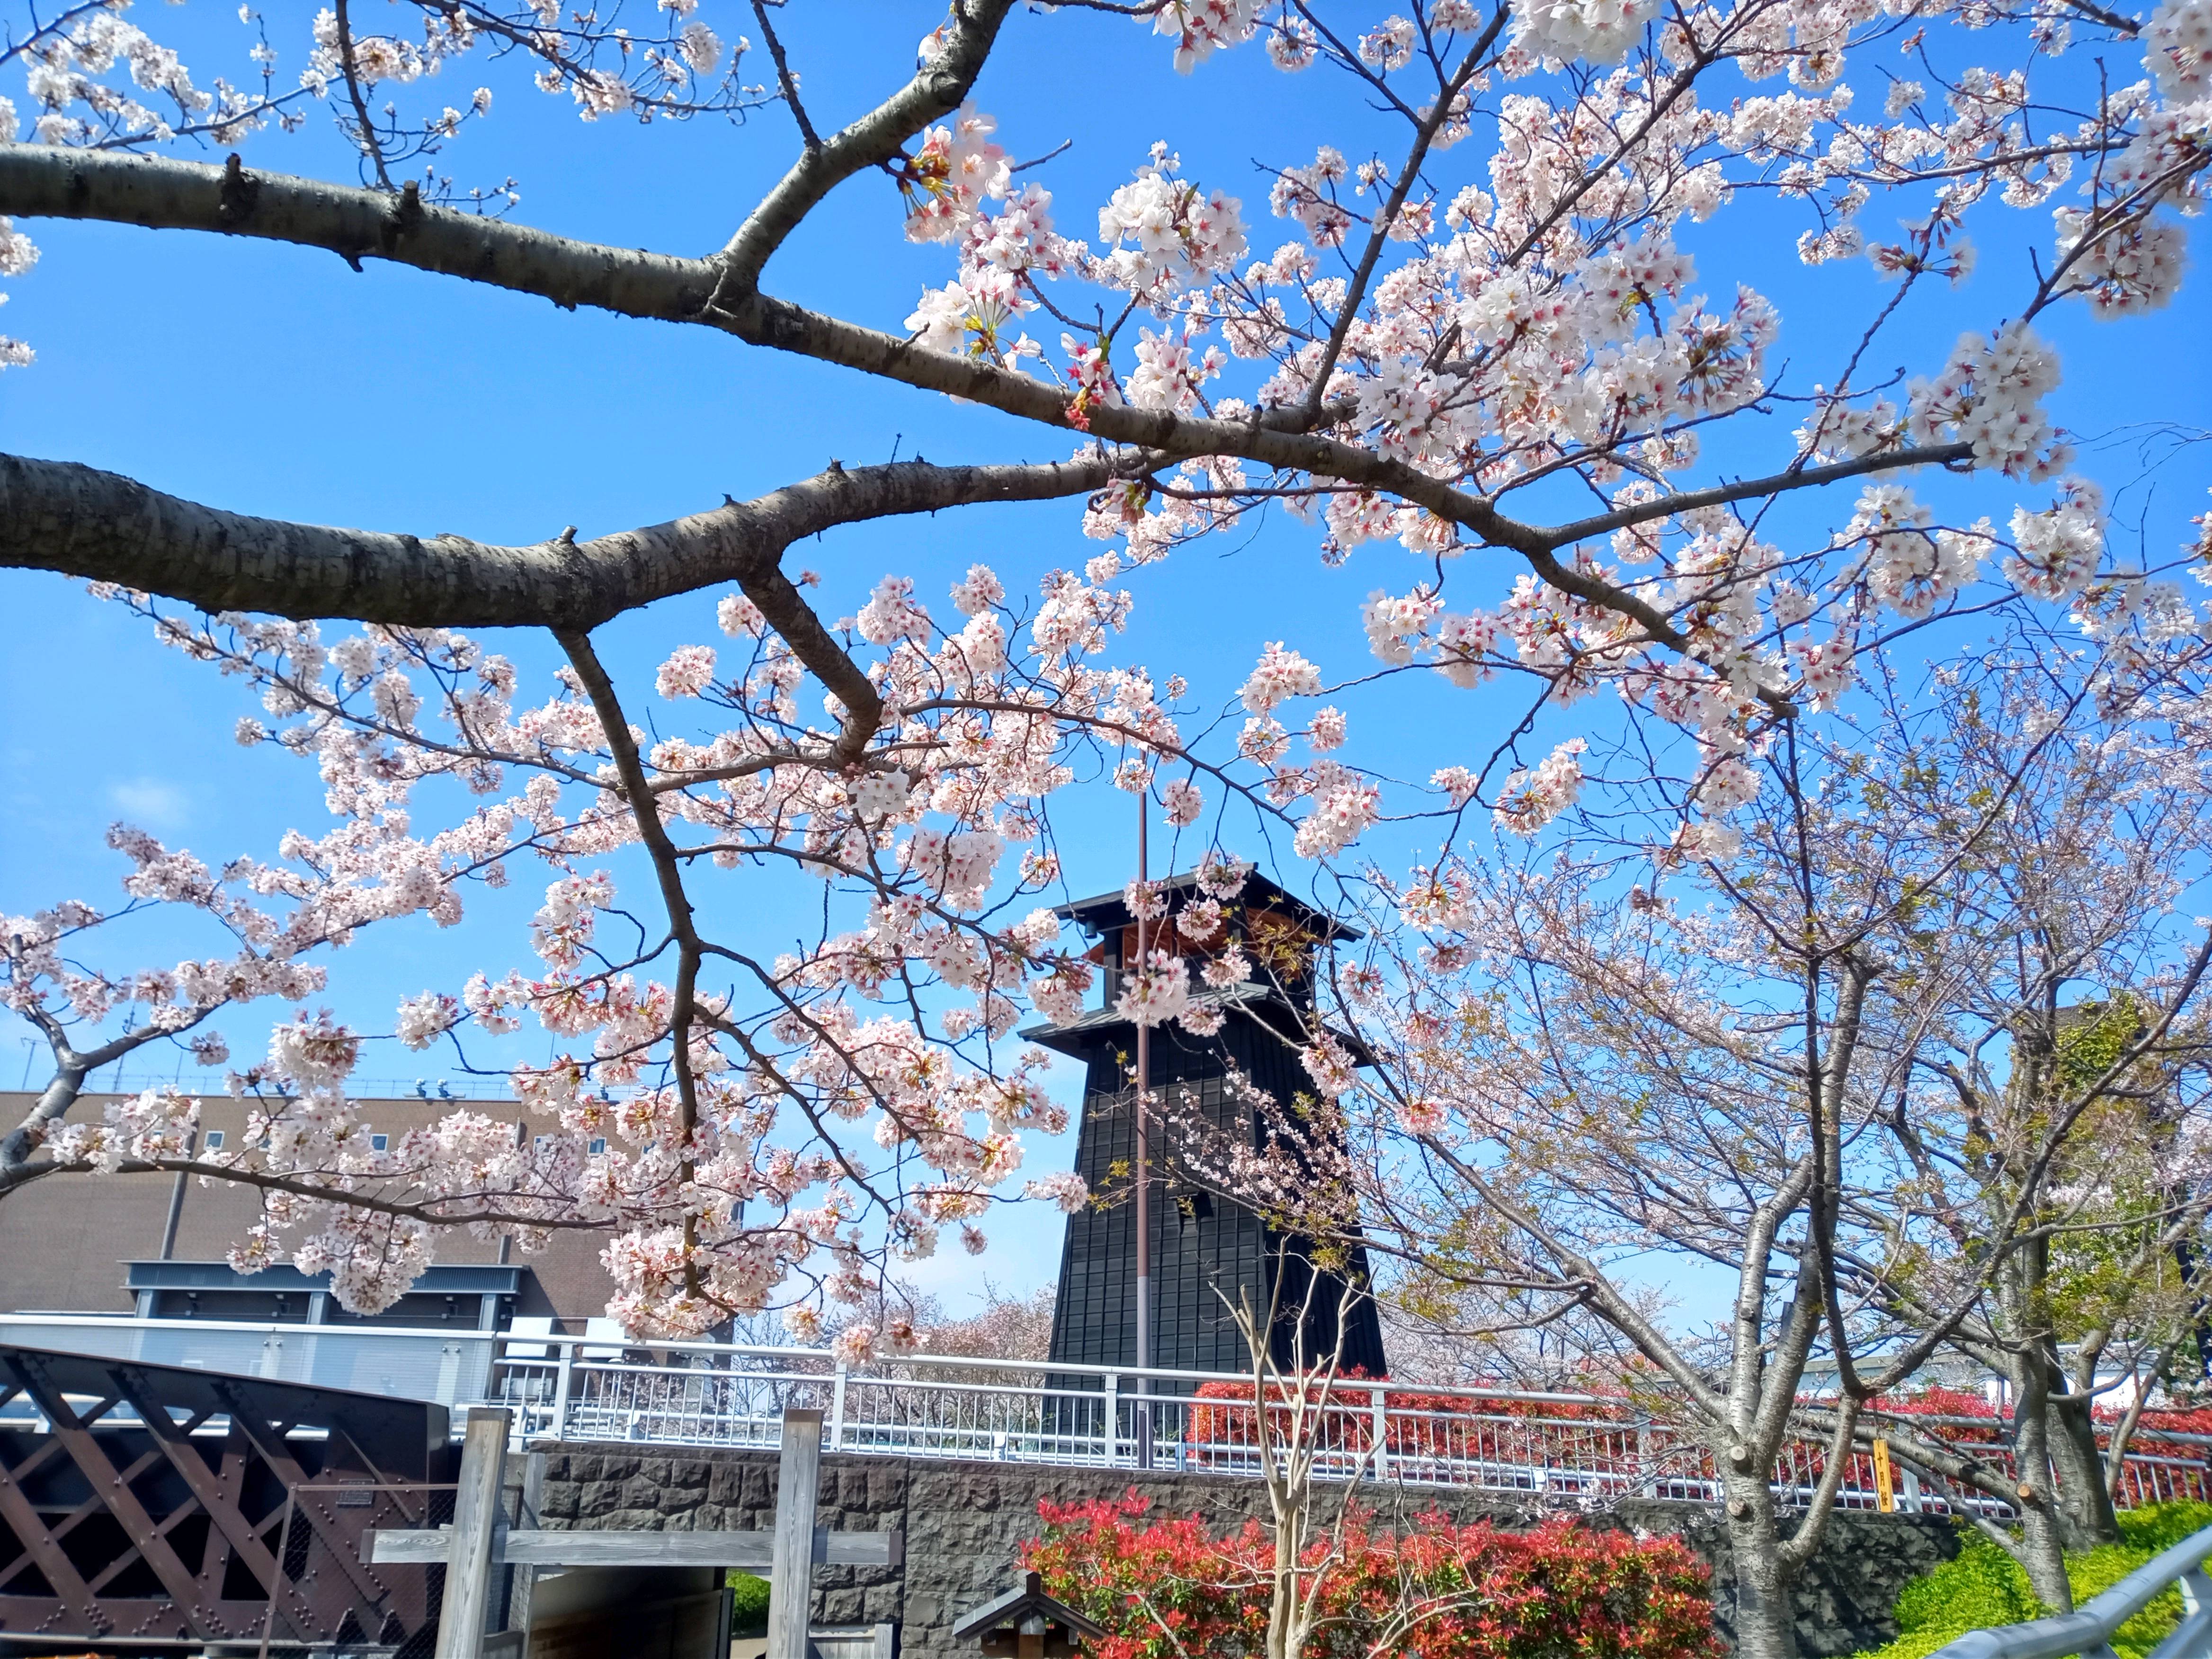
<point>62,1091</point>
<point>40,181</point>
<point>56,515</point>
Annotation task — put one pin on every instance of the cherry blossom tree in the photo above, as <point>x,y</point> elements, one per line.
<point>1862,1071</point>
<point>276,919</point>
<point>1489,337</point>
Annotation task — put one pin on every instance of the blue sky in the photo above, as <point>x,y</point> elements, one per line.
<point>278,381</point>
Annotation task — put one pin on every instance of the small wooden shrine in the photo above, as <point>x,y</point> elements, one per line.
<point>1026,1624</point>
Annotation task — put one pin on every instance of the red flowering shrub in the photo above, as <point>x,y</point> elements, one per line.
<point>2159,1467</point>
<point>1420,1424</point>
<point>1443,1591</point>
<point>2153,1432</point>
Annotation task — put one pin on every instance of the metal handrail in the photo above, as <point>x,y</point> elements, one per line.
<point>2088,1629</point>
<point>603,1385</point>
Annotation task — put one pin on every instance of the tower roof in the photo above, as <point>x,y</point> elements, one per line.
<point>1102,913</point>
<point>1263,1005</point>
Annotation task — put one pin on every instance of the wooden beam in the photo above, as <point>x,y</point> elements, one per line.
<point>791,1569</point>
<point>748,1550</point>
<point>522,1578</point>
<point>476,1516</point>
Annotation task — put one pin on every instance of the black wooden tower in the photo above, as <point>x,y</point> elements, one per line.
<point>1203,1248</point>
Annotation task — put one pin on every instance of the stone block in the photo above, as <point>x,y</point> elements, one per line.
<point>559,1500</point>
<point>601,1497</point>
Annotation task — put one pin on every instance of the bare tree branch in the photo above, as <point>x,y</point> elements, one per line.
<point>57,515</point>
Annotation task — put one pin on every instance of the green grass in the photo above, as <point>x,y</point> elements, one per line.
<point>1985,1586</point>
<point>748,1612</point>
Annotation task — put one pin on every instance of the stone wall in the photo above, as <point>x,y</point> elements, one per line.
<point>964,1523</point>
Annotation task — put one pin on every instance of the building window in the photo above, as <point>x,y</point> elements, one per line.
<point>599,1145</point>
<point>215,1140</point>
<point>380,1143</point>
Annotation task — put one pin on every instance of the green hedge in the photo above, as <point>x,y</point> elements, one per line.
<point>1985,1586</point>
<point>749,1604</point>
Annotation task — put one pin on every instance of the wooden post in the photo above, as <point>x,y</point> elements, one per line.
<point>522,1578</point>
<point>791,1574</point>
<point>475,1525</point>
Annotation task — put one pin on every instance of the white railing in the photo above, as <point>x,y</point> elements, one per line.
<point>1555,1447</point>
<point>1552,1447</point>
<point>2089,1628</point>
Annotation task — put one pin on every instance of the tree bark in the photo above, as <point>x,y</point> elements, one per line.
<point>56,515</point>
<point>2042,1549</point>
<point>2085,1503</point>
<point>1766,1621</point>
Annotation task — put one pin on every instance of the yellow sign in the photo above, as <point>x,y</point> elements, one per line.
<point>1885,1489</point>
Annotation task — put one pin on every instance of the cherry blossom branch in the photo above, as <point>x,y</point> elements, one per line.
<point>1425,133</point>
<point>436,1212</point>
<point>1777,483</point>
<point>935,90</point>
<point>66,1086</point>
<point>368,136</point>
<point>668,872</point>
<point>182,195</point>
<point>1571,198</point>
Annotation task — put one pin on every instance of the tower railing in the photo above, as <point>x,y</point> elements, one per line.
<point>1556,1449</point>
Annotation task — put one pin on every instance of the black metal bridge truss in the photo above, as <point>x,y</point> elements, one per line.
<point>143,1505</point>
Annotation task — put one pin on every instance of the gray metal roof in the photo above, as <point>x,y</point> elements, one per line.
<point>1026,1599</point>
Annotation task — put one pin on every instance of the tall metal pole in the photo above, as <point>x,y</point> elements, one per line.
<point>1143,1407</point>
<point>177,1201</point>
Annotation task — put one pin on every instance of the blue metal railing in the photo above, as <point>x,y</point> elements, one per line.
<point>2088,1629</point>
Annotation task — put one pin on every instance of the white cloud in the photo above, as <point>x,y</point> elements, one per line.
<point>150,802</point>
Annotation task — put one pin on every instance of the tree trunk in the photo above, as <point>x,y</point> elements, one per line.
<point>1766,1613</point>
<point>1285,1638</point>
<point>2085,1505</point>
<point>2042,1542</point>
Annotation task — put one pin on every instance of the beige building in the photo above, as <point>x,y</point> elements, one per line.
<point>95,1244</point>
